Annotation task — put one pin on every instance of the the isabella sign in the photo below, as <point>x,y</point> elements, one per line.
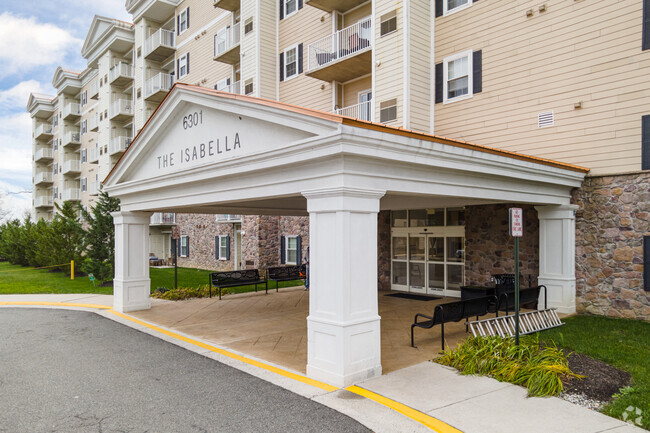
<point>516,222</point>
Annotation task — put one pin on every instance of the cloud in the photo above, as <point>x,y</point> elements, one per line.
<point>13,202</point>
<point>16,148</point>
<point>28,44</point>
<point>16,97</point>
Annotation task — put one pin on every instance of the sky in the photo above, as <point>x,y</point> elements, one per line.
<point>36,36</point>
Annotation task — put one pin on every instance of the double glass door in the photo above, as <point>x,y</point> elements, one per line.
<point>430,262</point>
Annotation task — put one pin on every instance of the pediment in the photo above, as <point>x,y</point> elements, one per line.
<point>198,130</point>
<point>98,27</point>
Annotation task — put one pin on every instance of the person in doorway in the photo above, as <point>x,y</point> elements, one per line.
<point>305,262</point>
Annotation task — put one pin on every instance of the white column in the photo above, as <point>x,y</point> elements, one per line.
<point>131,285</point>
<point>343,335</point>
<point>557,240</point>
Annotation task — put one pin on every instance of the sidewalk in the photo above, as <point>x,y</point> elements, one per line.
<point>470,404</point>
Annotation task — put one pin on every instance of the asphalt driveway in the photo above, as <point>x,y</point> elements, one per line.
<point>73,371</point>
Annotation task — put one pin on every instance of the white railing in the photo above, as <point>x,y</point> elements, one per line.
<point>228,218</point>
<point>162,37</point>
<point>361,111</point>
<point>344,43</point>
<point>118,144</point>
<point>93,190</point>
<point>159,82</point>
<point>94,89</point>
<point>43,129</point>
<point>71,137</point>
<point>234,88</point>
<point>71,194</point>
<point>71,108</point>
<point>163,218</point>
<point>43,201</point>
<point>43,153</point>
<point>72,166</point>
<point>43,176</point>
<point>94,155</point>
<point>122,69</point>
<point>226,38</point>
<point>121,106</point>
<point>93,122</point>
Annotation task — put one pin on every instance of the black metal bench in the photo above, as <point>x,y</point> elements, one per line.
<point>236,279</point>
<point>528,296</point>
<point>455,312</point>
<point>287,273</point>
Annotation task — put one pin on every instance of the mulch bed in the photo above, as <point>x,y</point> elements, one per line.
<point>602,380</point>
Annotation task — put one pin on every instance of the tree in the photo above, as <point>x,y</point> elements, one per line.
<point>100,238</point>
<point>67,244</point>
<point>11,247</point>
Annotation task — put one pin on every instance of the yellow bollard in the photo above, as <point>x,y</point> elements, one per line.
<point>72,269</point>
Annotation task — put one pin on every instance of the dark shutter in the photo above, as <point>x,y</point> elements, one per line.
<point>187,62</point>
<point>477,65</point>
<point>300,58</point>
<point>298,250</point>
<point>281,9</point>
<point>438,8</point>
<point>646,263</point>
<point>645,142</point>
<point>178,24</point>
<point>281,66</point>
<point>228,81</point>
<point>188,246</point>
<point>439,79</point>
<point>178,68</point>
<point>227,247</point>
<point>299,4</point>
<point>283,257</point>
<point>188,17</point>
<point>645,45</point>
<point>174,247</point>
<point>216,247</point>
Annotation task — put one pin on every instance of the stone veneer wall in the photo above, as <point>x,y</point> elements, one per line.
<point>383,250</point>
<point>489,249</point>
<point>613,217</point>
<point>202,229</point>
<point>294,226</point>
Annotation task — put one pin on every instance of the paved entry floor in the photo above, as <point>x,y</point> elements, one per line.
<point>273,327</point>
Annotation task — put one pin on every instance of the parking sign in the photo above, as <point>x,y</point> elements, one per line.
<point>516,222</point>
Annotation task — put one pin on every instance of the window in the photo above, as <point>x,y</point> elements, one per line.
<point>222,84</point>
<point>451,6</point>
<point>84,126</point>
<point>291,62</point>
<point>84,155</point>
<point>183,65</point>
<point>248,26</point>
<point>388,111</point>
<point>388,23</point>
<point>457,78</point>
<point>55,121</point>
<point>84,98</point>
<point>646,263</point>
<point>223,247</point>
<point>291,250</point>
<point>139,52</point>
<point>290,6</point>
<point>185,246</point>
<point>55,168</point>
<point>183,21</point>
<point>248,87</point>
<point>84,184</point>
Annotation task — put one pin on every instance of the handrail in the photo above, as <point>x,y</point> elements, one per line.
<point>344,43</point>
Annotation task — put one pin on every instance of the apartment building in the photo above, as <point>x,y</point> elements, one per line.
<point>561,80</point>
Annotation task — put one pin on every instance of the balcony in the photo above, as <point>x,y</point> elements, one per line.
<point>94,188</point>
<point>43,177</point>
<point>71,111</point>
<point>229,5</point>
<point>335,5</point>
<point>44,130</point>
<point>72,167</point>
<point>71,194</point>
<point>226,218</point>
<point>43,154</point>
<point>342,56</point>
<point>160,45</point>
<point>163,219</point>
<point>118,145</point>
<point>226,44</point>
<point>157,87</point>
<point>93,157</point>
<point>43,201</point>
<point>121,74</point>
<point>121,110</point>
<point>93,123</point>
<point>71,138</point>
<point>362,111</point>
<point>94,90</point>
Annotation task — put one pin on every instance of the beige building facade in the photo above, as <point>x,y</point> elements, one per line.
<point>562,80</point>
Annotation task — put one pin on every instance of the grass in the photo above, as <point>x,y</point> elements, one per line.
<point>623,343</point>
<point>16,279</point>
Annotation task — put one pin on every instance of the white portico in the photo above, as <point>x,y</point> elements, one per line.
<point>206,151</point>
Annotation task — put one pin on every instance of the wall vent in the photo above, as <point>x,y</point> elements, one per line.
<point>545,119</point>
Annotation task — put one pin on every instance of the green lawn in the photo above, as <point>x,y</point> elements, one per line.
<point>622,343</point>
<point>19,280</point>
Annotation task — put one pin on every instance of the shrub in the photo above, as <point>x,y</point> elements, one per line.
<point>539,369</point>
<point>183,293</point>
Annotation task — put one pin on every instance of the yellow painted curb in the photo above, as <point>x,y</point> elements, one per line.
<point>57,304</point>
<point>422,418</point>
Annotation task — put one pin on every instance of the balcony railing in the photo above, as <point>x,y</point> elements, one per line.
<point>43,153</point>
<point>94,90</point>
<point>162,218</point>
<point>160,82</point>
<point>94,156</point>
<point>228,218</point>
<point>362,111</point>
<point>226,39</point>
<point>71,137</point>
<point>43,177</point>
<point>72,166</point>
<point>162,38</point>
<point>121,70</point>
<point>118,144</point>
<point>234,88</point>
<point>71,109</point>
<point>43,129</point>
<point>94,189</point>
<point>71,194</point>
<point>93,122</point>
<point>342,44</point>
<point>43,201</point>
<point>121,107</point>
